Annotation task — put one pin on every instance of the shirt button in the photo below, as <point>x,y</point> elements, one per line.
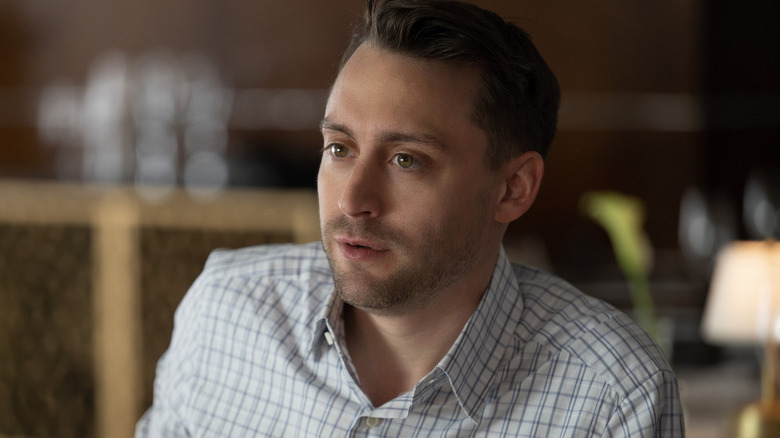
<point>328,338</point>
<point>373,422</point>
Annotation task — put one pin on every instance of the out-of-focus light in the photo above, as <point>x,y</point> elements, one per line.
<point>155,178</point>
<point>205,174</point>
<point>760,211</point>
<point>59,126</point>
<point>155,89</point>
<point>706,224</point>
<point>104,109</point>
<point>203,137</point>
<point>142,121</point>
<point>159,141</point>
<point>207,99</point>
<point>59,114</point>
<point>697,232</point>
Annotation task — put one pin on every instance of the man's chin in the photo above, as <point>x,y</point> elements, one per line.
<point>360,289</point>
<point>370,303</point>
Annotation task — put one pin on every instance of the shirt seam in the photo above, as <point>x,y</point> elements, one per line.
<point>663,374</point>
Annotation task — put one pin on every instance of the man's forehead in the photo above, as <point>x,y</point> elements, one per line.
<point>404,95</point>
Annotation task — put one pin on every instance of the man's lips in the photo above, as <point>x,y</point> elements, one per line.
<point>363,243</point>
<point>359,249</point>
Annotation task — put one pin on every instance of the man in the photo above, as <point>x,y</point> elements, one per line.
<point>408,319</point>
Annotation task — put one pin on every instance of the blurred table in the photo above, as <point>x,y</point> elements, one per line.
<point>711,395</point>
<point>89,279</point>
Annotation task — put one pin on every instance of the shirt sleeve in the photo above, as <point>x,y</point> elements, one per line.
<point>168,414</point>
<point>653,409</point>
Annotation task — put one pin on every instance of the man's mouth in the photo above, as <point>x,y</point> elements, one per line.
<point>358,249</point>
<point>359,242</point>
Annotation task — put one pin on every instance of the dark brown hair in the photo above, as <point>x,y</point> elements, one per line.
<point>517,105</point>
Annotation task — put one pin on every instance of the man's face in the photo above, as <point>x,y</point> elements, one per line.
<point>406,202</point>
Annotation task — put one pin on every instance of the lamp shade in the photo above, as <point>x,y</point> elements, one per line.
<point>743,306</point>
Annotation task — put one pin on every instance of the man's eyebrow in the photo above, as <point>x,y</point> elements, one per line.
<point>330,126</point>
<point>390,136</point>
<point>413,137</point>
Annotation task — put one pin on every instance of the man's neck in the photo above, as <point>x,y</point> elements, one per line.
<point>392,352</point>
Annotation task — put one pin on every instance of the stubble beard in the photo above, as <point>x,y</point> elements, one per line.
<point>427,268</point>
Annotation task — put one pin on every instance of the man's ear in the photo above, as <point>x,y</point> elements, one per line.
<point>520,181</point>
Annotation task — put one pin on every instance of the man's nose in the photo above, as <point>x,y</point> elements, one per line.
<point>362,192</point>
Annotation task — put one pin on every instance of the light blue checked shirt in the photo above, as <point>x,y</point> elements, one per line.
<point>258,350</point>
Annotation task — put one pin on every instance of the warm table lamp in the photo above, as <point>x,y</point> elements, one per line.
<point>743,308</point>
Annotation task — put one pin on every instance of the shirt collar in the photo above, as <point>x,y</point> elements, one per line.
<point>473,360</point>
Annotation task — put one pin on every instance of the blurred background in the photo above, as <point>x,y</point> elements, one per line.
<point>137,136</point>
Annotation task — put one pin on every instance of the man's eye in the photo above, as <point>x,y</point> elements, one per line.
<point>339,151</point>
<point>406,161</point>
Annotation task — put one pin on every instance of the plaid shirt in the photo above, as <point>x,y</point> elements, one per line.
<point>258,350</point>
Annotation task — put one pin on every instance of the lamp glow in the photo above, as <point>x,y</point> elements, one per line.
<point>744,308</point>
<point>744,300</point>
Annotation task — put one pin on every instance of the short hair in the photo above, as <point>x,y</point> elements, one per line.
<point>517,104</point>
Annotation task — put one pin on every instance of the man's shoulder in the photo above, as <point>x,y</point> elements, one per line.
<point>269,261</point>
<point>259,283</point>
<point>281,274</point>
<point>567,322</point>
<point>551,302</point>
